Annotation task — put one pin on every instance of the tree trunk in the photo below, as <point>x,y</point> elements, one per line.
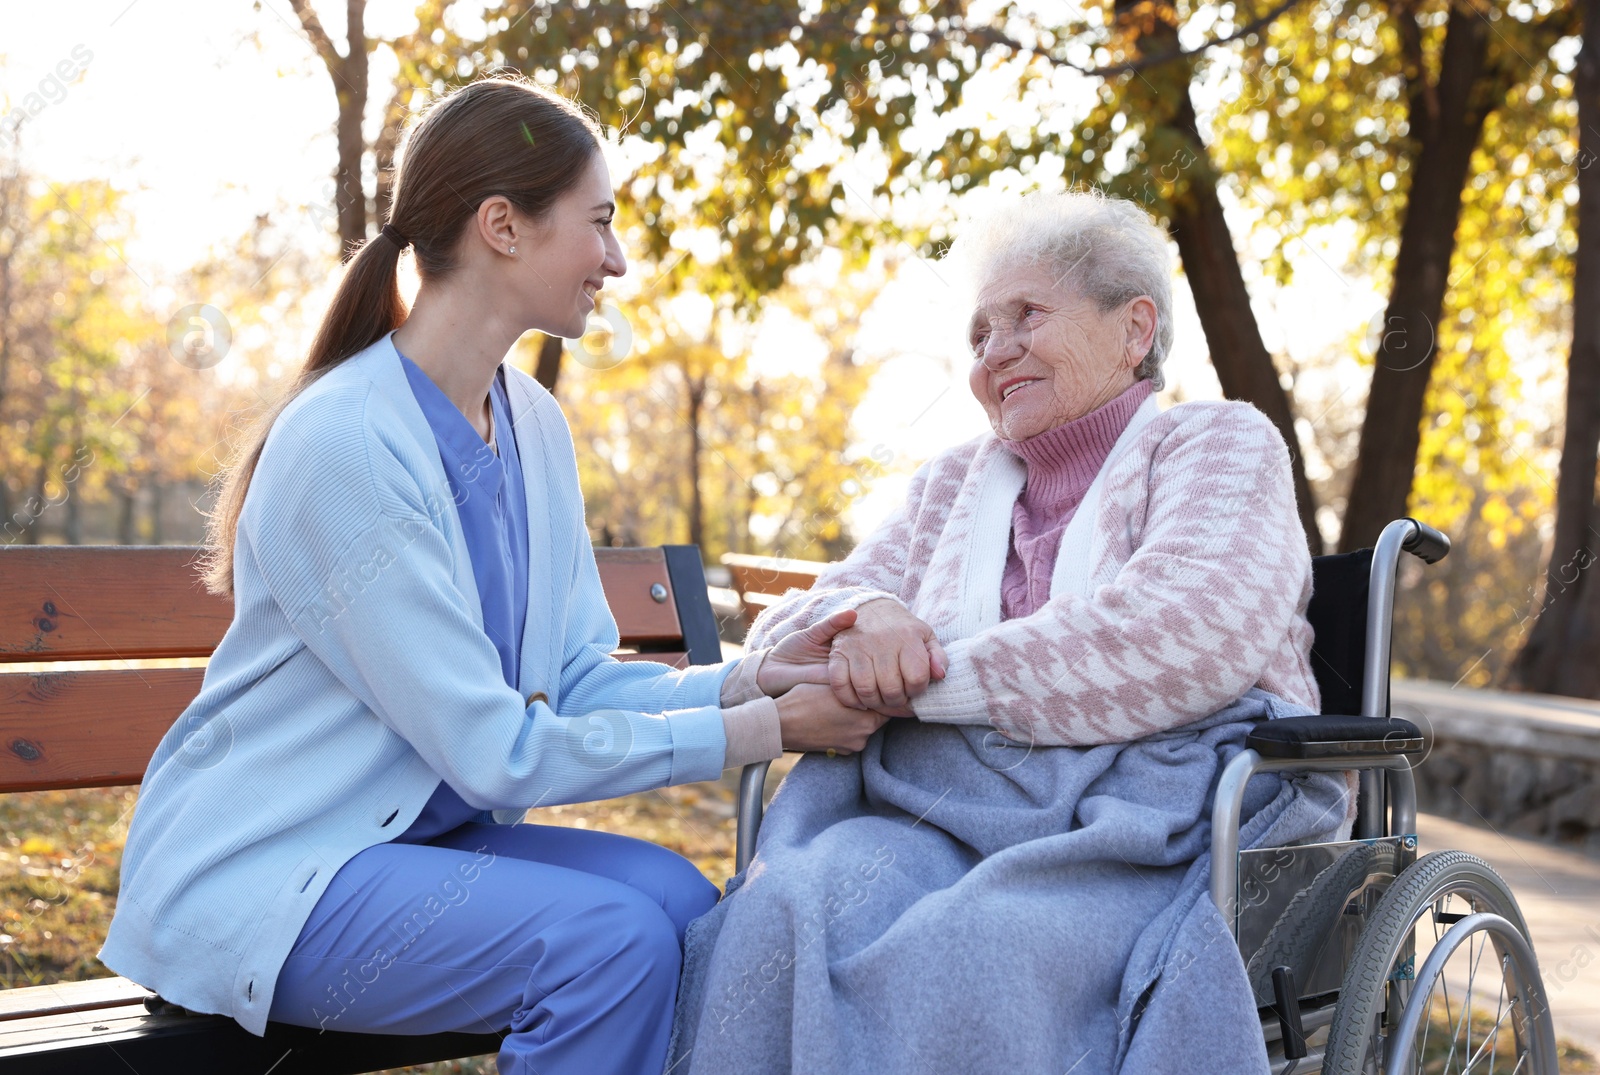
<point>72,527</point>
<point>12,225</point>
<point>1446,118</point>
<point>35,504</point>
<point>1238,353</point>
<point>348,71</point>
<point>155,511</point>
<point>752,498</point>
<point>1211,264</point>
<point>548,371</point>
<point>351,87</point>
<point>697,509</point>
<point>383,149</point>
<point>1559,655</point>
<point>126,502</point>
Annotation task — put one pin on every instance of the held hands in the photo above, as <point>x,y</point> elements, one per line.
<point>886,659</point>
<point>795,672</point>
<point>813,719</point>
<point>872,660</point>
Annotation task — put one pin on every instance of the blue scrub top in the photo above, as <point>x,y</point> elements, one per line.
<point>489,498</point>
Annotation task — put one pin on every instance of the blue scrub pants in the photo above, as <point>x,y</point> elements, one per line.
<point>571,938</point>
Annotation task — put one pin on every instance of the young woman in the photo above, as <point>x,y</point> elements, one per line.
<point>420,652</point>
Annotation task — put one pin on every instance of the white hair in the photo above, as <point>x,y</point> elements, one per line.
<point>1105,247</point>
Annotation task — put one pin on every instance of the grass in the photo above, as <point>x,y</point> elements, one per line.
<point>60,852</point>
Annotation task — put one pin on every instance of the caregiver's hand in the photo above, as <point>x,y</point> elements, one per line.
<point>803,656</point>
<point>886,659</point>
<point>813,719</point>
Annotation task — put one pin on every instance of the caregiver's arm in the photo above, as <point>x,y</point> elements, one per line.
<point>592,678</point>
<point>351,550</point>
<point>754,727</point>
<point>1188,624</point>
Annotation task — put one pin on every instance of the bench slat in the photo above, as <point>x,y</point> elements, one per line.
<point>99,728</point>
<point>104,603</point>
<point>87,729</point>
<point>761,580</point>
<point>64,997</point>
<point>755,603</point>
<point>124,1037</point>
<point>94,603</point>
<point>770,574</point>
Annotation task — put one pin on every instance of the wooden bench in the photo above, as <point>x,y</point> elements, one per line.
<point>76,728</point>
<point>761,580</point>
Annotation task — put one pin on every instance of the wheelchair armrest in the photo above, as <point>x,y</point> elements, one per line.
<point>1331,735</point>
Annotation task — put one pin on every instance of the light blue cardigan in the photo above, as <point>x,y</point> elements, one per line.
<point>356,673</point>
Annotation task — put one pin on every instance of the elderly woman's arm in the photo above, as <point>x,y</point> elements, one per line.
<point>1188,625</point>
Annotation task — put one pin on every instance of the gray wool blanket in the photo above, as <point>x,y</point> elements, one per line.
<point>949,901</point>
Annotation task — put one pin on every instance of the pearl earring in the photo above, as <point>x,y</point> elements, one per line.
<point>513,250</point>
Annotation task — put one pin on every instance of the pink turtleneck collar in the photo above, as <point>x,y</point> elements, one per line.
<point>1062,463</point>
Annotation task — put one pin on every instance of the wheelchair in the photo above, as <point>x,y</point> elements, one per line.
<point>1331,934</point>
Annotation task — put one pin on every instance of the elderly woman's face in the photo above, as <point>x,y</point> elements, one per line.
<point>1043,354</point>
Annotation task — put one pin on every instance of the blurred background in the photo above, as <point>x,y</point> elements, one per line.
<point>1373,207</point>
<point>1370,201</point>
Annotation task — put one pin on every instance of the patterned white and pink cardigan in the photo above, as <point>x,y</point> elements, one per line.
<point>1182,581</point>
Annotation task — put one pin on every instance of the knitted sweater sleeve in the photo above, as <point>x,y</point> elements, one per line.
<point>349,546</point>
<point>1190,621</point>
<point>877,567</point>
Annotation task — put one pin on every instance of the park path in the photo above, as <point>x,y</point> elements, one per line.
<point>1559,893</point>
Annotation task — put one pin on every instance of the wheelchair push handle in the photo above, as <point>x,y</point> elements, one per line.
<point>1426,542</point>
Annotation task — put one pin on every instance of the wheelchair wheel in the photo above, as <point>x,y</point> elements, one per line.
<point>1477,1004</point>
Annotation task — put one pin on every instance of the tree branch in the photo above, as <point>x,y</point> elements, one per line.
<point>996,37</point>
<point>319,37</point>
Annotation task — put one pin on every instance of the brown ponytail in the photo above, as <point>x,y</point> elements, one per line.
<point>501,135</point>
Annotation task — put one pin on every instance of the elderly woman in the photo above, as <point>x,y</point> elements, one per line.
<point>1084,611</point>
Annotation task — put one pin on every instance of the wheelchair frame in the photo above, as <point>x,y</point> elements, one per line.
<point>1385,826</point>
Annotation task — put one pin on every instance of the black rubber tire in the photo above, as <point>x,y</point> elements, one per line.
<point>1361,994</point>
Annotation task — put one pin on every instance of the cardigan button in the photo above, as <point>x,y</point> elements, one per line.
<point>538,696</point>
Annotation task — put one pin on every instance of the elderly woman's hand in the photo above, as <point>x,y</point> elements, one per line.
<point>885,660</point>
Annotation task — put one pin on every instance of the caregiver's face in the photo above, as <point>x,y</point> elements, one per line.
<point>1043,354</point>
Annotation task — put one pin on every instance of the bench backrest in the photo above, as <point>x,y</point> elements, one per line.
<point>75,727</point>
<point>761,580</point>
<point>773,575</point>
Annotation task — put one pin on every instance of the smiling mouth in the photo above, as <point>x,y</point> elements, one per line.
<point>1010,391</point>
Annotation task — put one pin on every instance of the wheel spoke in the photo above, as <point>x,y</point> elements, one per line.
<point>1449,1019</point>
<point>1494,1035</point>
<point>1466,1001</point>
<point>1500,1006</point>
<point>1427,1025</point>
<point>1447,888</point>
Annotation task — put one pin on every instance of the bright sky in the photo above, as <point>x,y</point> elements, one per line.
<point>212,111</point>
